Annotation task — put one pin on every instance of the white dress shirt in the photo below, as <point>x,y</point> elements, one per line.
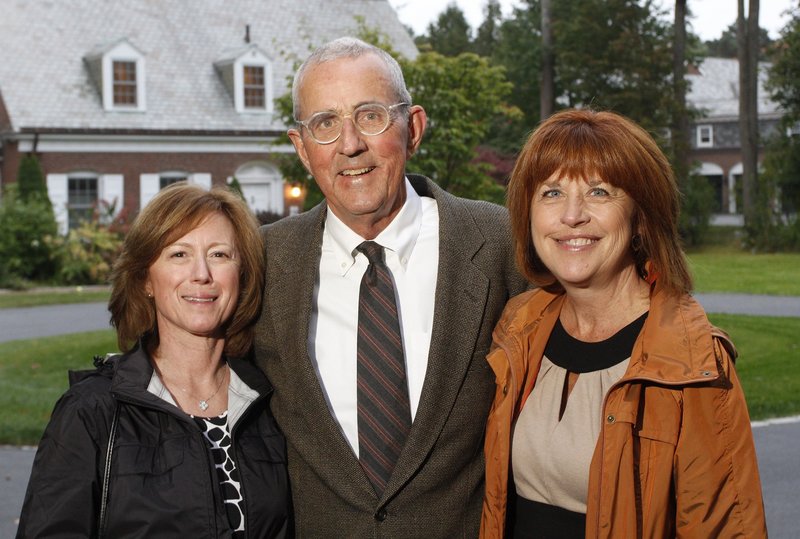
<point>411,243</point>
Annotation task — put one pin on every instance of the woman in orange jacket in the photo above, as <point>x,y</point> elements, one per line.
<point>617,412</point>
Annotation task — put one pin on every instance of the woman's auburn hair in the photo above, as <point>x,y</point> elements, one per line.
<point>589,144</point>
<point>172,213</point>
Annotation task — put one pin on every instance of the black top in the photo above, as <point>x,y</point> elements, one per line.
<point>569,353</point>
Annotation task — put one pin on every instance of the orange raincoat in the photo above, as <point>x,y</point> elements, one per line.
<point>675,456</point>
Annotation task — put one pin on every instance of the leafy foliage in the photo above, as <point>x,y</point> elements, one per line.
<point>30,179</point>
<point>88,253</point>
<point>784,76</point>
<point>461,96</point>
<point>27,231</point>
<point>236,187</point>
<point>488,33</point>
<point>779,185</point>
<point>614,55</point>
<point>450,35</point>
<point>693,222</point>
<point>778,229</point>
<point>725,46</point>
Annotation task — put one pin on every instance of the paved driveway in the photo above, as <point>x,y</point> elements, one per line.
<point>32,322</point>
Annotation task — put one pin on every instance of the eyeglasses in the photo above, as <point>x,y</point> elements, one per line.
<point>370,119</point>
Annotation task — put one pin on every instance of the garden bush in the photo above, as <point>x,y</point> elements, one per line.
<point>87,253</point>
<point>27,233</point>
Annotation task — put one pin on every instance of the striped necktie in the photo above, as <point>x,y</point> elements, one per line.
<point>384,417</point>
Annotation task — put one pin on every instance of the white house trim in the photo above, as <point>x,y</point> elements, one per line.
<point>151,144</point>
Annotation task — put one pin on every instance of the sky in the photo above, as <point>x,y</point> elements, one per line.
<point>710,17</point>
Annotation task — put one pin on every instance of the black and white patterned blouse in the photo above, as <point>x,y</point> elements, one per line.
<point>216,433</point>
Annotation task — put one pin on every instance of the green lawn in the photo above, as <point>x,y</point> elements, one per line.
<point>33,373</point>
<point>768,363</point>
<point>726,270</point>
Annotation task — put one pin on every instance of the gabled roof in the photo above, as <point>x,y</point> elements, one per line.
<point>714,89</point>
<point>45,82</point>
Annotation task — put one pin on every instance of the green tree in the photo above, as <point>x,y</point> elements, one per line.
<point>616,55</point>
<point>781,178</point>
<point>488,33</point>
<point>450,34</point>
<point>30,179</point>
<point>747,41</point>
<point>608,54</point>
<point>725,46</point>
<point>784,76</point>
<point>461,95</point>
<point>235,187</point>
<point>28,232</point>
<point>519,51</point>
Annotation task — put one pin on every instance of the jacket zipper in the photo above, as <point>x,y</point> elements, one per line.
<point>235,456</point>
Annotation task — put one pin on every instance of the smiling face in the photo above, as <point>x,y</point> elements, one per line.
<point>582,231</point>
<point>362,177</point>
<point>195,281</point>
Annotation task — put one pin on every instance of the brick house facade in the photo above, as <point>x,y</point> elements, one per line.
<point>118,98</point>
<point>715,142</point>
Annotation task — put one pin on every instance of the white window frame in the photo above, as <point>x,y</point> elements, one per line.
<point>702,130</point>
<point>253,58</point>
<point>124,52</point>
<point>110,188</point>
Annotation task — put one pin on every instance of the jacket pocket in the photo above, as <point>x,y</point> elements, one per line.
<point>264,448</point>
<point>655,440</point>
<point>149,460</point>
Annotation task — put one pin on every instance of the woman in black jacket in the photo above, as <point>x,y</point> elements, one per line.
<point>173,438</point>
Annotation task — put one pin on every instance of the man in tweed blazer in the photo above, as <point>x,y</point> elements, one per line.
<point>453,266</point>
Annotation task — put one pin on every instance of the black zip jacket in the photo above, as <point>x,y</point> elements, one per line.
<point>163,483</point>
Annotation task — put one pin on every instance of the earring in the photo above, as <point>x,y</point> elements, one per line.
<point>636,243</point>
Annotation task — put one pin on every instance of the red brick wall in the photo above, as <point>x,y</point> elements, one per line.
<point>131,165</point>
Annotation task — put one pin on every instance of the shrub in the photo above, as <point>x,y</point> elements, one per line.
<point>27,233</point>
<point>30,179</point>
<point>88,252</point>
<point>694,220</point>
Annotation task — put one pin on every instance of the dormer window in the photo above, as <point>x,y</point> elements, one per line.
<point>247,74</point>
<point>124,83</point>
<point>118,70</point>
<point>255,91</point>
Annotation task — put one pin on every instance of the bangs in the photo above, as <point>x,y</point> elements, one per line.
<point>587,151</point>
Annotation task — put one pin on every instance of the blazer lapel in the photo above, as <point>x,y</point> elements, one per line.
<point>461,295</point>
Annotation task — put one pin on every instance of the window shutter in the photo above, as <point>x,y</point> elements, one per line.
<point>111,190</point>
<point>201,178</point>
<point>57,191</point>
<point>148,187</point>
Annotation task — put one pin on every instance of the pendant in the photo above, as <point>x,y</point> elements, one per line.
<point>203,405</point>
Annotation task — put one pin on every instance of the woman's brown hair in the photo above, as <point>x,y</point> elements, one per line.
<point>172,213</point>
<point>583,144</point>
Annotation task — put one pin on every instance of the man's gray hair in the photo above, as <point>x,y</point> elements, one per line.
<point>349,47</point>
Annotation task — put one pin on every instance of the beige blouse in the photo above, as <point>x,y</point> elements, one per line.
<point>551,458</point>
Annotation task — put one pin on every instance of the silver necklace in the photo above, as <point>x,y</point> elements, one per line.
<point>203,403</point>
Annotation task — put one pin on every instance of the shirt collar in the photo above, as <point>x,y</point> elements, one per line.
<point>399,236</point>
